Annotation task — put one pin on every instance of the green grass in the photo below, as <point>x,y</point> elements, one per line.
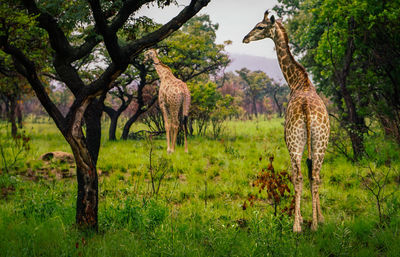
<point>198,209</point>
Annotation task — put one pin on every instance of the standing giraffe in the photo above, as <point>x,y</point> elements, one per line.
<point>306,118</point>
<point>174,101</point>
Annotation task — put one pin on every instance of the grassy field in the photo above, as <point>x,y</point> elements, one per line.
<point>197,210</point>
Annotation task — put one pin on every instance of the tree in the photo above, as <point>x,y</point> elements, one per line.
<point>192,51</point>
<point>279,95</point>
<point>129,89</point>
<point>11,90</point>
<point>255,85</point>
<point>92,23</point>
<point>208,105</point>
<point>142,104</point>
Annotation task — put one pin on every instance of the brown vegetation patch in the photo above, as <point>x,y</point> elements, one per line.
<point>5,191</point>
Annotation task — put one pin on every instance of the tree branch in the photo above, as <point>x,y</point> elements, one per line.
<point>137,46</point>
<point>109,36</point>
<point>126,10</point>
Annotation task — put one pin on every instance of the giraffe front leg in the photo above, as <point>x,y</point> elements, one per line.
<point>166,125</point>
<point>169,131</point>
<point>174,128</point>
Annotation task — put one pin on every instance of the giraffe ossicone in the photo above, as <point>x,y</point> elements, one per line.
<point>306,119</point>
<point>174,101</point>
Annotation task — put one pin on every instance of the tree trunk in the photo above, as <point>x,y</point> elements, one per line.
<point>19,114</point>
<point>12,116</point>
<point>128,124</point>
<point>355,125</point>
<point>86,173</point>
<point>140,111</point>
<point>86,152</point>
<point>277,104</point>
<point>114,115</point>
<point>255,106</point>
<point>113,128</point>
<point>93,127</point>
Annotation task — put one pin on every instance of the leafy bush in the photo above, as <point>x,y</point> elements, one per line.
<point>276,186</point>
<point>208,105</point>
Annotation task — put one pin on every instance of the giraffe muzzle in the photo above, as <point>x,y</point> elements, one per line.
<point>246,40</point>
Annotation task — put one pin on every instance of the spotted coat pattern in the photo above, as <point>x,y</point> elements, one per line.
<point>306,119</point>
<point>174,101</point>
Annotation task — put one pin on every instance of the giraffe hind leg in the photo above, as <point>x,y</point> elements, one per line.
<point>315,181</point>
<point>185,120</point>
<point>297,179</point>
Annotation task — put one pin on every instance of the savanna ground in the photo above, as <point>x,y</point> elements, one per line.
<point>197,210</point>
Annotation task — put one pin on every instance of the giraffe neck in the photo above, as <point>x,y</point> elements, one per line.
<point>294,73</point>
<point>162,70</point>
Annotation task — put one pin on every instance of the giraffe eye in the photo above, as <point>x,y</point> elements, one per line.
<point>259,27</point>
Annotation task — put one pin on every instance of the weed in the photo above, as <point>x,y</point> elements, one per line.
<point>276,186</point>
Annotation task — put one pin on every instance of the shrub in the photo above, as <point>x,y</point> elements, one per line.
<point>276,187</point>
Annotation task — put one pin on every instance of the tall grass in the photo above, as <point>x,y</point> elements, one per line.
<point>198,210</point>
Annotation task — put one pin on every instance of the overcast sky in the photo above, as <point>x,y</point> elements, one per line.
<point>235,18</point>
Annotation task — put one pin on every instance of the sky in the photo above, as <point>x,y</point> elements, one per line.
<point>235,18</point>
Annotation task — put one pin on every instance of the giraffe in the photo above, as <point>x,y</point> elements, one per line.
<point>306,119</point>
<point>174,101</point>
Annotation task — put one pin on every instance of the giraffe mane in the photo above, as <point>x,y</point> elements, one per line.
<point>286,38</point>
<point>165,66</point>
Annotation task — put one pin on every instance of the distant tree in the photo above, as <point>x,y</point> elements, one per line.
<point>208,105</point>
<point>255,86</point>
<point>143,78</point>
<point>74,30</point>
<point>192,51</point>
<point>279,95</point>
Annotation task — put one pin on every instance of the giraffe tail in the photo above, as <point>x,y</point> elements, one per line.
<point>186,105</point>
<point>307,113</point>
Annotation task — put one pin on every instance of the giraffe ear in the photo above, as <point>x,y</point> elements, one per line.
<point>272,19</point>
<point>266,15</point>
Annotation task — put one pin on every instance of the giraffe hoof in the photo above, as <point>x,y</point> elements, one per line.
<point>314,226</point>
<point>297,228</point>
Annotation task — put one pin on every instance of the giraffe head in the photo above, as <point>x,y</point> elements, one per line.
<point>263,29</point>
<point>150,54</point>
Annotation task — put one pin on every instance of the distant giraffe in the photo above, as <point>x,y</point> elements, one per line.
<point>306,118</point>
<point>174,101</point>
